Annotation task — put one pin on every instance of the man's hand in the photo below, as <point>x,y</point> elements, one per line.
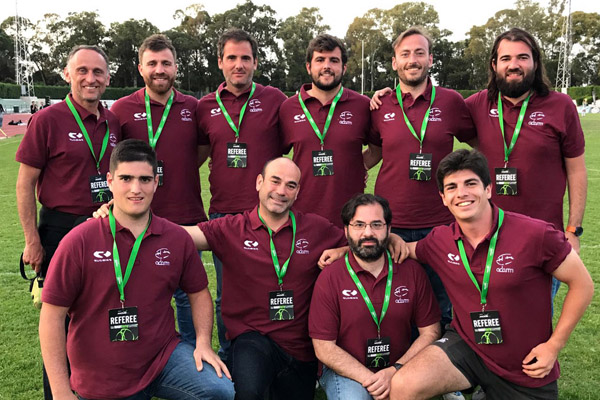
<point>540,360</point>
<point>398,248</point>
<point>573,240</point>
<point>330,255</point>
<point>102,212</point>
<point>204,352</point>
<point>375,102</point>
<point>66,396</point>
<point>33,254</point>
<point>379,384</point>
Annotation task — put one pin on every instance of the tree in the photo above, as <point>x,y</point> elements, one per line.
<point>7,57</point>
<point>296,32</point>
<point>123,45</point>
<point>261,23</point>
<point>585,69</point>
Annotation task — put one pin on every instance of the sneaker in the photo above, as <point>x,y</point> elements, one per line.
<point>478,395</point>
<point>453,396</point>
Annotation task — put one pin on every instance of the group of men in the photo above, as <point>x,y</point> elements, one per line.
<point>266,251</point>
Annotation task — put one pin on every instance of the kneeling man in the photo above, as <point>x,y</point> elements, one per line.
<point>363,306</point>
<point>497,268</point>
<point>115,278</point>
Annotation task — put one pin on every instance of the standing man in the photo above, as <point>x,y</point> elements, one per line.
<point>65,155</point>
<point>166,119</point>
<point>326,125</point>
<point>240,120</point>
<point>122,341</point>
<point>509,350</point>
<point>413,129</point>
<point>531,137</point>
<point>363,307</point>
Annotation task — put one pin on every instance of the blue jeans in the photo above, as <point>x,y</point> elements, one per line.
<point>339,387</point>
<point>413,235</point>
<point>260,367</point>
<point>225,344</point>
<point>180,380</point>
<point>185,321</point>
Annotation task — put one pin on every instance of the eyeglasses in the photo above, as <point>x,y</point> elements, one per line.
<point>375,225</point>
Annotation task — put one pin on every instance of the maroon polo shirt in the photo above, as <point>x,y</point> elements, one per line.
<point>233,190</point>
<point>81,277</point>
<point>241,242</point>
<point>54,144</point>
<point>338,311</point>
<point>179,199</point>
<point>325,195</point>
<point>551,132</point>
<point>521,275</point>
<point>417,204</point>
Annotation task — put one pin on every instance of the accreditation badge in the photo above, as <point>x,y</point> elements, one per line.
<point>486,327</point>
<point>419,167</point>
<point>237,155</point>
<point>160,171</point>
<point>322,162</point>
<point>281,305</point>
<point>506,181</point>
<point>123,324</point>
<point>99,189</point>
<point>378,352</point>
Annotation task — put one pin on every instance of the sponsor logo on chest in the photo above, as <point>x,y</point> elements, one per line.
<point>254,105</point>
<point>215,112</point>
<point>506,263</point>
<point>250,245</point>
<point>302,246</point>
<point>435,115</point>
<point>139,116</point>
<point>75,137</point>
<point>387,117</point>
<point>102,256</point>
<point>162,256</point>
<point>536,119</point>
<point>493,113</point>
<point>349,294</point>
<point>299,118</point>
<point>453,259</point>
<point>186,115</point>
<point>345,118</point>
<point>402,294</point>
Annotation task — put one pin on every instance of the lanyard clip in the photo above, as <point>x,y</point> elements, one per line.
<point>281,287</point>
<point>378,333</point>
<point>505,163</point>
<point>321,146</point>
<point>483,307</point>
<point>236,139</point>
<point>420,149</point>
<point>122,304</point>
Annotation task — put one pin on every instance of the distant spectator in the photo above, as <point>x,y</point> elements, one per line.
<point>33,108</point>
<point>1,115</point>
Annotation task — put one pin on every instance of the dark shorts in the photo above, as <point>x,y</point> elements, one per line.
<point>477,373</point>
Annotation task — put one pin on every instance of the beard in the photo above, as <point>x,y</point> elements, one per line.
<point>515,89</point>
<point>160,88</point>
<point>414,81</point>
<point>370,253</point>
<point>336,81</point>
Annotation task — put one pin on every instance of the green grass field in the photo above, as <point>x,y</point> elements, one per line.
<point>20,360</point>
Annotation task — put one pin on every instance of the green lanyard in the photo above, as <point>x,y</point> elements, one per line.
<point>508,150</point>
<point>152,138</point>
<point>122,281</point>
<point>425,118</point>
<point>320,135</point>
<point>86,136</point>
<point>280,271</point>
<point>236,129</point>
<point>488,262</point>
<point>365,296</point>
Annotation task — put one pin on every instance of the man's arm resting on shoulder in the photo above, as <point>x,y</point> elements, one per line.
<point>337,359</point>
<point>33,253</point>
<point>198,237</point>
<point>371,156</point>
<point>202,315</point>
<point>581,289</point>
<point>577,184</point>
<point>53,343</point>
<point>379,384</point>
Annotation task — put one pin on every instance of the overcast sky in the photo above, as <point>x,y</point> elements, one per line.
<point>456,15</point>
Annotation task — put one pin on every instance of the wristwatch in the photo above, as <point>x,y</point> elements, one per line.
<point>575,230</point>
<point>398,366</point>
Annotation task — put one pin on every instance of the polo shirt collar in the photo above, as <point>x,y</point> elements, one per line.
<point>84,114</point>
<point>407,97</point>
<point>224,91</point>
<point>141,97</point>
<point>307,97</point>
<point>457,233</point>
<point>507,103</point>
<point>360,270</point>
<point>156,227</point>
<point>255,222</point>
